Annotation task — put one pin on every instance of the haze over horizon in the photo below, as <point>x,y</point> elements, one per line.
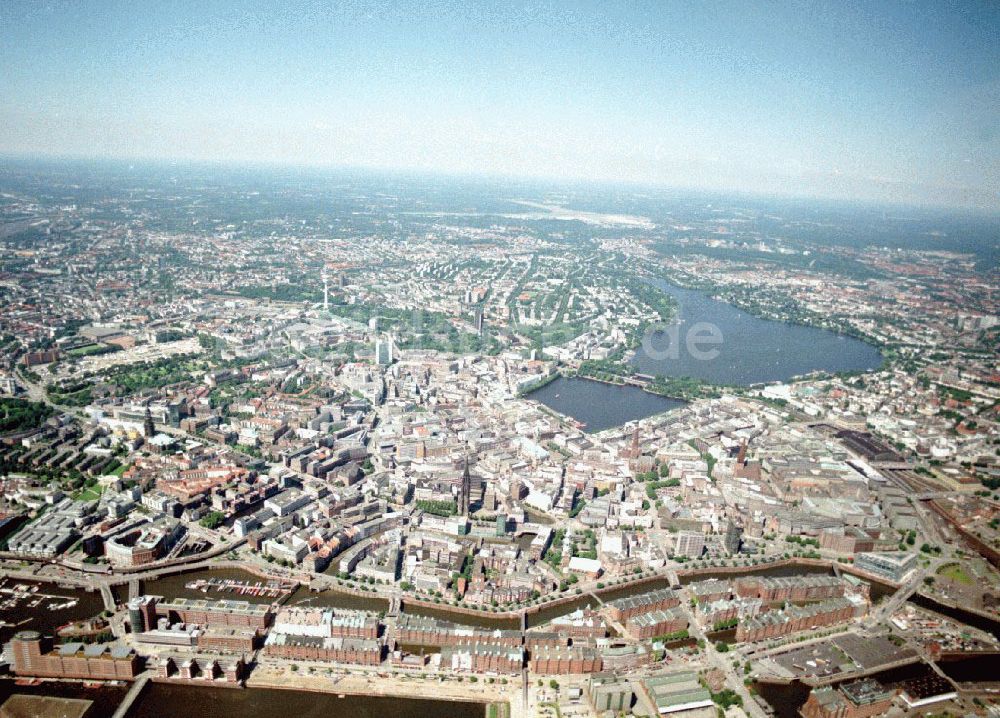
<point>874,102</point>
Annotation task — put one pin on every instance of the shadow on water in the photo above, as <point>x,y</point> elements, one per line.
<point>40,616</point>
<point>105,699</point>
<point>196,702</point>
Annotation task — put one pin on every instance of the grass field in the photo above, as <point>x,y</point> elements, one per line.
<point>87,350</point>
<point>92,493</point>
<point>955,572</point>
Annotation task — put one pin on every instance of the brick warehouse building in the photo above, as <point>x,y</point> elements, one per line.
<point>358,651</point>
<point>657,623</point>
<point>419,630</point>
<point>562,660</point>
<point>797,618</point>
<point>797,588</point>
<point>230,669</point>
<point>216,613</point>
<point>624,608</point>
<point>483,658</point>
<point>33,655</point>
<point>861,699</point>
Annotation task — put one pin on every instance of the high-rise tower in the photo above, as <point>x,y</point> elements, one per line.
<point>384,350</point>
<point>148,427</point>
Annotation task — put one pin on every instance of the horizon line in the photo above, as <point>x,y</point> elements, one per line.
<point>983,211</point>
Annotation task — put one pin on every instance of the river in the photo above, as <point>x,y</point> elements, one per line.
<point>181,701</point>
<point>752,350</point>
<point>104,698</point>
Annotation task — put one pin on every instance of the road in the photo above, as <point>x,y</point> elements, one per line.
<point>722,662</point>
<point>895,602</point>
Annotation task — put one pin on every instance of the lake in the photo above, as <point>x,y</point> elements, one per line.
<point>601,406</point>
<point>752,350</point>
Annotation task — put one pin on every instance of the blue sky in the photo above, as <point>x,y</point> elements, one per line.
<point>889,100</point>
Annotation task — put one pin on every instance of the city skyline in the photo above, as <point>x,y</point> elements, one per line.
<point>500,359</point>
<point>873,103</point>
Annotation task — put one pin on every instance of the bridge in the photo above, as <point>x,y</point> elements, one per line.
<point>931,495</point>
<point>395,606</point>
<point>892,465</point>
<point>109,598</point>
<point>895,602</point>
<point>131,696</point>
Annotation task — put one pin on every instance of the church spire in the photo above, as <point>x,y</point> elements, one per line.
<point>466,491</point>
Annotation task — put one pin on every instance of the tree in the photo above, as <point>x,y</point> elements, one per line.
<point>213,520</point>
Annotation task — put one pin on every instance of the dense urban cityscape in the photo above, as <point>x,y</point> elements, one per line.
<point>500,359</point>
<point>388,440</point>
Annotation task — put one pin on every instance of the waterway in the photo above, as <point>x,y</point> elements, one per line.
<point>786,700</point>
<point>961,615</point>
<point>752,350</point>
<point>104,698</point>
<point>480,620</point>
<point>970,668</point>
<point>180,701</point>
<point>601,406</point>
<point>764,570</point>
<point>25,613</point>
<point>332,598</point>
<point>174,586</point>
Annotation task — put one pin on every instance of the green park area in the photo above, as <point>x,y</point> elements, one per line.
<point>955,572</point>
<point>90,493</point>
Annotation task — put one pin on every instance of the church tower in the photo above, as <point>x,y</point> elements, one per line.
<point>465,493</point>
<point>148,427</point>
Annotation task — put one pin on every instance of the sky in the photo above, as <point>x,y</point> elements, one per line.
<point>883,101</point>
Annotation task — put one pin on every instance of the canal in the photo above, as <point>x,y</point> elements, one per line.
<point>175,585</point>
<point>783,570</point>
<point>786,700</point>
<point>970,668</point>
<point>959,614</point>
